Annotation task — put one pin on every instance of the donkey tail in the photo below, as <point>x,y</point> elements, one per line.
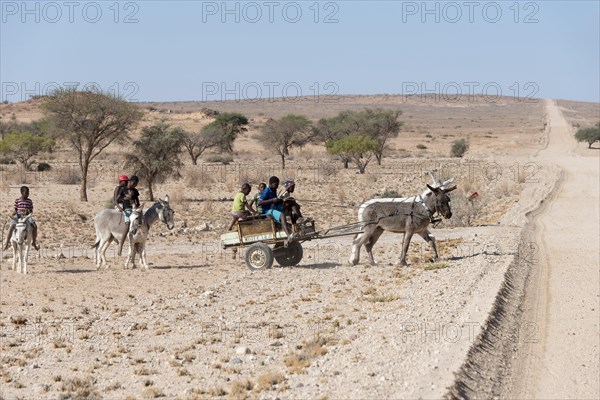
<point>95,245</point>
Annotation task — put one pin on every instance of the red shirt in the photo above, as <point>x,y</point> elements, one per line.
<point>23,205</point>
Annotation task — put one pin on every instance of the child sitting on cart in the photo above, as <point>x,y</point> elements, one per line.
<point>273,204</point>
<point>290,207</point>
<point>261,186</point>
<point>240,208</point>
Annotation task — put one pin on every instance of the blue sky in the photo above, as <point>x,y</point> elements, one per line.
<point>215,50</point>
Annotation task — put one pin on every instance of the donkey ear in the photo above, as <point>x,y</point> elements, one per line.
<point>167,198</point>
<point>450,189</point>
<point>434,190</point>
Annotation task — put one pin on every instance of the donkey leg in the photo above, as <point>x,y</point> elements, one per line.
<point>360,240</point>
<point>369,245</point>
<point>405,244</point>
<point>130,256</point>
<point>429,238</point>
<point>355,253</point>
<point>25,259</point>
<point>14,263</point>
<point>103,248</point>
<point>143,255</point>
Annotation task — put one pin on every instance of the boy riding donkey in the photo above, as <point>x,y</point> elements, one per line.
<point>23,206</point>
<point>125,196</point>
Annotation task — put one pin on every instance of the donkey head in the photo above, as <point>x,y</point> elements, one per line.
<point>166,213</point>
<point>136,218</point>
<point>21,230</point>
<point>442,200</point>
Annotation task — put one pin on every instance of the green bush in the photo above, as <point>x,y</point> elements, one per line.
<point>459,148</point>
<point>43,167</point>
<point>6,160</point>
<point>589,135</point>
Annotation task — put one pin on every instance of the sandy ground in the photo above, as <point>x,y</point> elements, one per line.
<point>199,324</point>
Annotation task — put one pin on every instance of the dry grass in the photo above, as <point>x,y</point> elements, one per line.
<point>268,381</point>
<point>144,371</point>
<point>80,388</point>
<point>18,320</point>
<point>240,389</point>
<point>152,393</point>
<point>436,266</point>
<point>298,361</point>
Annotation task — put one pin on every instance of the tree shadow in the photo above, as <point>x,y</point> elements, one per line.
<point>75,271</point>
<point>318,266</point>
<point>164,267</point>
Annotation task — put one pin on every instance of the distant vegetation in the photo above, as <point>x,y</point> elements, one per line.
<point>23,141</point>
<point>377,124</point>
<point>226,128</point>
<point>589,135</point>
<point>459,148</point>
<point>358,149</point>
<point>156,155</point>
<point>283,134</point>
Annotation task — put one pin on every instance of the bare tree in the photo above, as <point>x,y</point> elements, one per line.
<point>197,142</point>
<point>90,121</point>
<point>285,133</point>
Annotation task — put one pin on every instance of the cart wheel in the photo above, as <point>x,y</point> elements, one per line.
<point>290,256</point>
<point>258,256</point>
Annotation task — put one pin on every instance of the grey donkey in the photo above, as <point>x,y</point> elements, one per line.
<point>408,215</point>
<point>110,226</point>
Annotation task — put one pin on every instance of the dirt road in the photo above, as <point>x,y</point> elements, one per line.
<point>565,362</point>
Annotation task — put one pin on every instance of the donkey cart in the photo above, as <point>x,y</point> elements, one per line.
<point>257,234</point>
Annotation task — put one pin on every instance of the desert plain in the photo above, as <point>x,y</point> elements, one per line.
<point>511,309</point>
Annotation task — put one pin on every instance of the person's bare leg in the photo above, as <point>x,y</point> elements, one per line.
<point>8,236</point>
<point>122,242</point>
<point>285,227</point>
<point>34,241</point>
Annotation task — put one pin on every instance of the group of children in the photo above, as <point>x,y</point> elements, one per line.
<point>125,197</point>
<point>268,202</point>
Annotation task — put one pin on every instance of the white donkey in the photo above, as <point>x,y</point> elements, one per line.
<point>21,241</point>
<point>110,226</point>
<point>138,233</point>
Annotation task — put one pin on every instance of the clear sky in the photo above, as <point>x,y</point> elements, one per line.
<point>215,50</point>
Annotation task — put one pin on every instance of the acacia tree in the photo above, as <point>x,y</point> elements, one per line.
<point>589,135</point>
<point>228,126</point>
<point>359,149</point>
<point>342,125</point>
<point>285,133</point>
<point>90,121</point>
<point>197,142</point>
<point>380,125</point>
<point>23,146</point>
<point>156,154</point>
<point>7,126</point>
